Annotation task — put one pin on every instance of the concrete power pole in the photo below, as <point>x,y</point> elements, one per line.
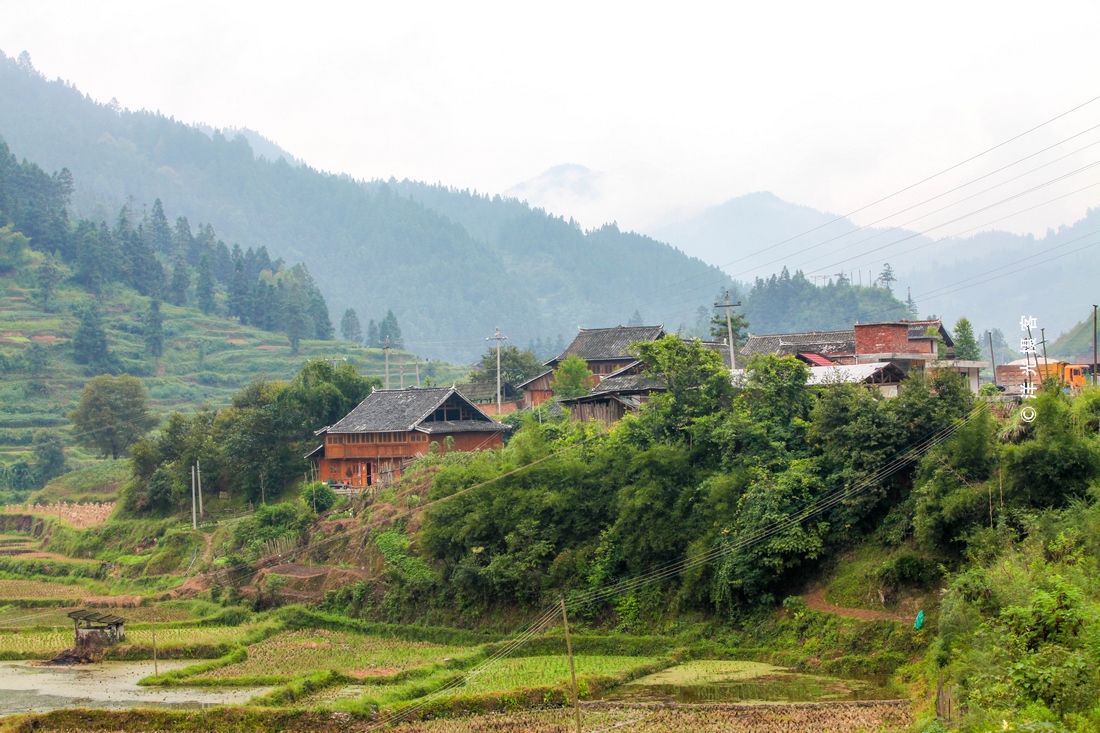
<point>386,351</point>
<point>729,328</point>
<point>194,517</point>
<point>498,338</point>
<point>1094,345</point>
<point>198,473</point>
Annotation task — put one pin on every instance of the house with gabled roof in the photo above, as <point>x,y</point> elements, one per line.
<point>604,350</point>
<point>391,427</point>
<point>908,345</point>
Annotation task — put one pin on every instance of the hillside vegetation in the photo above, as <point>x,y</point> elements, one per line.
<point>83,298</point>
<point>451,264</point>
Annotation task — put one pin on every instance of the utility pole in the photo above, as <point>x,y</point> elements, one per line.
<point>992,357</point>
<point>1043,335</point>
<point>194,518</point>
<point>572,669</point>
<point>198,471</point>
<point>154,625</point>
<point>1094,345</point>
<point>729,329</point>
<point>498,338</point>
<point>416,363</point>
<point>386,351</point>
<point>401,371</point>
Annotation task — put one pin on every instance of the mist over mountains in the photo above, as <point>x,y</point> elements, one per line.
<point>992,277</point>
<point>454,264</point>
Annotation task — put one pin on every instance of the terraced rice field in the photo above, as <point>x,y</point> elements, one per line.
<point>510,674</point>
<point>39,590</point>
<point>295,653</point>
<point>44,644</point>
<point>812,718</point>
<point>13,617</point>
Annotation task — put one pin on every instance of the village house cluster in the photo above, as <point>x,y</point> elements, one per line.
<point>391,427</point>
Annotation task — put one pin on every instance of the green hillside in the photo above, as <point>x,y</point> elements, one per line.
<point>206,358</point>
<point>1075,343</point>
<point>448,283</point>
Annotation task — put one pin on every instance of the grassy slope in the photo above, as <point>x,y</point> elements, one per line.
<point>206,358</point>
<point>1076,342</point>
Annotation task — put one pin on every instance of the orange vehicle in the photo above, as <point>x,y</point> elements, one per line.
<point>1074,376</point>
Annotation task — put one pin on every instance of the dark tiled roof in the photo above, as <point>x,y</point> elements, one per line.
<point>627,383</point>
<point>919,328</point>
<point>400,409</point>
<point>721,348</point>
<point>818,342</point>
<point>486,391</point>
<point>462,426</point>
<point>526,384</point>
<point>593,344</point>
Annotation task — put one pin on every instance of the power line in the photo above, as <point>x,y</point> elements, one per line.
<point>548,615</point>
<point>886,198</point>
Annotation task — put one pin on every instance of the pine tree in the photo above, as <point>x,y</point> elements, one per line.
<point>910,303</point>
<point>238,291</point>
<point>295,319</point>
<point>223,264</point>
<point>204,289</point>
<point>183,239</point>
<point>966,345</point>
<point>636,319</point>
<point>90,340</point>
<point>153,331</point>
<point>350,328</point>
<point>389,332</point>
<point>160,233</point>
<point>181,281</point>
<point>46,278</point>
<point>372,335</point>
<point>887,277</point>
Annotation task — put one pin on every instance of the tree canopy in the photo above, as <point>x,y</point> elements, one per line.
<point>112,415</point>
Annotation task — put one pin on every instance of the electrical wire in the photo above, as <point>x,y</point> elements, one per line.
<point>661,572</point>
<point>905,189</point>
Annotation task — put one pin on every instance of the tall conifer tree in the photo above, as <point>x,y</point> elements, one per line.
<point>204,288</point>
<point>350,328</point>
<point>181,281</point>
<point>160,233</point>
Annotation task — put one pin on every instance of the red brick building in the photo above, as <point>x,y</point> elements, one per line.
<point>909,345</point>
<point>391,427</point>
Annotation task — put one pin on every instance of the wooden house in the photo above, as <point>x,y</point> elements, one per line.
<point>617,394</point>
<point>391,427</point>
<point>484,395</point>
<point>605,351</point>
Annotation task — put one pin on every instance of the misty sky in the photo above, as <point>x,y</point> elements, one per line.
<point>674,106</point>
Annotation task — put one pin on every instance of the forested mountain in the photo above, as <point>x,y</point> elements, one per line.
<point>451,264</point>
<point>448,283</point>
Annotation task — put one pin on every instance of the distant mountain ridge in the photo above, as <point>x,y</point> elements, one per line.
<point>992,277</point>
<point>449,281</point>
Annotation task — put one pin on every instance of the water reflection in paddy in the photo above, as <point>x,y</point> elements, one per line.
<point>26,687</point>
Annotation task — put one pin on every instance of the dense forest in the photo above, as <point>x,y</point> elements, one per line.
<point>153,257</point>
<point>451,264</point>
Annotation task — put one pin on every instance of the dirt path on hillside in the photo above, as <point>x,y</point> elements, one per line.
<point>816,601</point>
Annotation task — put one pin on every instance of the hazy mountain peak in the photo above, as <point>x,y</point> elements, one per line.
<point>557,184</point>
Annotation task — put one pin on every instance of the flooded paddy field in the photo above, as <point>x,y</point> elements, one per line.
<point>30,687</point>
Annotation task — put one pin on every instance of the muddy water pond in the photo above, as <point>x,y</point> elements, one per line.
<point>711,681</point>
<point>27,687</point>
